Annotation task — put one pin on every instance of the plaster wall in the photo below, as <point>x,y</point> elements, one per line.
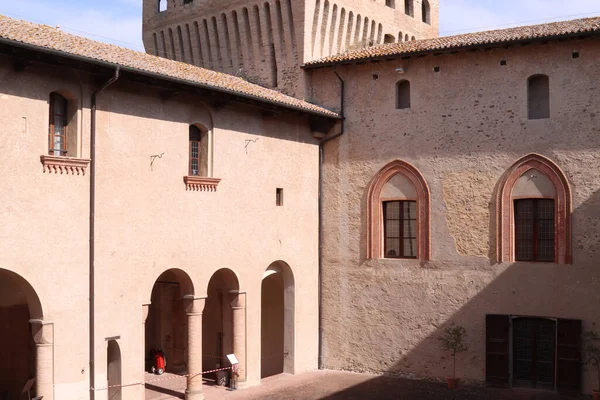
<point>467,125</point>
<point>146,220</point>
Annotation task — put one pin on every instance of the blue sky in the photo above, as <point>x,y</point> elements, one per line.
<point>119,21</point>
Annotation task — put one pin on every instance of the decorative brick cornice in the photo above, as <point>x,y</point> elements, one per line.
<point>505,213</point>
<point>64,165</point>
<point>200,183</point>
<point>375,209</point>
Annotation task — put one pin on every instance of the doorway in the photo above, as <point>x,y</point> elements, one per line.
<point>534,353</point>
<point>113,361</point>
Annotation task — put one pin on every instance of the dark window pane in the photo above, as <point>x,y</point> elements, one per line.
<point>534,230</point>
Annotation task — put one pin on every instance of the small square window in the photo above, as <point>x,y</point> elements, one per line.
<point>279,197</point>
<point>575,54</point>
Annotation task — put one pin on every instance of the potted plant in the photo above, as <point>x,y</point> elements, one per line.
<point>592,357</point>
<point>454,341</point>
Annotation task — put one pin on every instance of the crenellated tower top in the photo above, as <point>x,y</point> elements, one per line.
<point>266,41</point>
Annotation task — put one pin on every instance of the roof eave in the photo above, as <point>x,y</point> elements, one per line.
<point>445,50</point>
<point>107,64</point>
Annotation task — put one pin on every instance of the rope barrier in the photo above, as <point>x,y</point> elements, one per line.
<point>163,379</point>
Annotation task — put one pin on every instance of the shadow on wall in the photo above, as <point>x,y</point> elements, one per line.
<point>403,341</point>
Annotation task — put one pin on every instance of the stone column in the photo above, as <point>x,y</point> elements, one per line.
<point>238,306</point>
<point>194,310</point>
<point>43,336</point>
<point>145,312</point>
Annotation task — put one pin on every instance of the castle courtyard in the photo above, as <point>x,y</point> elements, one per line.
<point>340,385</point>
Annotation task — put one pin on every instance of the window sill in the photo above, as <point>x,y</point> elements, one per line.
<point>64,165</point>
<point>201,183</point>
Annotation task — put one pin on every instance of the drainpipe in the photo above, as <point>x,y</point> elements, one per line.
<point>92,229</point>
<point>321,158</point>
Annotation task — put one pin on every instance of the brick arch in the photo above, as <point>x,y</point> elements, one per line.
<point>375,209</point>
<point>505,213</point>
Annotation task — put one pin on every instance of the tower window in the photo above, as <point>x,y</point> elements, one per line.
<point>538,97</point>
<point>279,197</point>
<point>162,5</point>
<point>390,3</point>
<point>403,95</point>
<point>425,12</point>
<point>408,7</point>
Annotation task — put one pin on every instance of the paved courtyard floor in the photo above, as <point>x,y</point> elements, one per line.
<point>335,385</point>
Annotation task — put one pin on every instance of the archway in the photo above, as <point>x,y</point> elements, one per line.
<point>27,342</point>
<point>166,325</point>
<point>277,320</point>
<point>113,362</point>
<point>223,322</point>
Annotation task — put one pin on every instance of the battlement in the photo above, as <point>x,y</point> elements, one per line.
<point>266,41</point>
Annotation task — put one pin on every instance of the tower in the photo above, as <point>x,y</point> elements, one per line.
<point>266,41</point>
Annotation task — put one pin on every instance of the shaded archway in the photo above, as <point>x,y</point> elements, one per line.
<point>113,367</point>
<point>27,342</point>
<point>218,325</point>
<point>166,325</point>
<point>277,320</point>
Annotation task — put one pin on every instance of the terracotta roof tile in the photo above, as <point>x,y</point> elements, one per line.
<point>46,37</point>
<point>496,37</point>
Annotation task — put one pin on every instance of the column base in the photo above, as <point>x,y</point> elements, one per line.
<point>194,394</point>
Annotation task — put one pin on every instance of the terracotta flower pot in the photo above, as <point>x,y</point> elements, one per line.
<point>453,383</point>
<point>596,394</point>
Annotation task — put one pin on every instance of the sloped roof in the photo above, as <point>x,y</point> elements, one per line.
<point>448,43</point>
<point>43,37</point>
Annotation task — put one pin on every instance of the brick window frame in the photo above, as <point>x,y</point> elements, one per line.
<point>505,208</point>
<point>375,224</point>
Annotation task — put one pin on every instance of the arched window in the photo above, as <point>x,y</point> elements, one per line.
<point>408,7</point>
<point>389,39</point>
<point>538,97</point>
<point>534,213</point>
<point>425,12</point>
<point>398,213</point>
<point>406,38</point>
<point>403,94</point>
<point>57,136</point>
<point>162,5</point>
<point>390,3</point>
<point>198,165</point>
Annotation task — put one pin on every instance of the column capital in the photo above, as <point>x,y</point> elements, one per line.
<point>237,299</point>
<point>42,332</point>
<point>193,305</point>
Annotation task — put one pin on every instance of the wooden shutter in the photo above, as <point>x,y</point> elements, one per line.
<point>568,355</point>
<point>497,351</point>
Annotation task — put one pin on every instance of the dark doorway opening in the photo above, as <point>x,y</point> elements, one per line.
<point>534,353</point>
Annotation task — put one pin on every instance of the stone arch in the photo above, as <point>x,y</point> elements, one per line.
<point>375,208</point>
<point>28,340</point>
<point>166,323</point>
<point>278,323</point>
<point>220,324</point>
<point>505,212</point>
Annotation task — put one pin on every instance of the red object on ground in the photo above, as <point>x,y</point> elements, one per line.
<point>159,360</point>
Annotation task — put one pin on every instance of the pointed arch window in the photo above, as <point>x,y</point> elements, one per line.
<point>534,213</point>
<point>398,213</point>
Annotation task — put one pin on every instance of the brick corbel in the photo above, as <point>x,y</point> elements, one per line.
<point>64,165</point>
<point>200,183</point>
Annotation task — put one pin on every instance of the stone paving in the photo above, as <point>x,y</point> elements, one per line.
<point>336,385</point>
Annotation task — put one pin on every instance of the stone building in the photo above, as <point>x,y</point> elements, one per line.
<point>150,203</point>
<point>465,189</point>
<point>189,228</point>
<point>267,41</point>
